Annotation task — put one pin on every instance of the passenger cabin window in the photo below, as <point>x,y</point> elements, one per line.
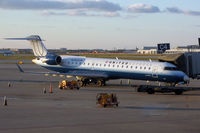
<point>171,68</point>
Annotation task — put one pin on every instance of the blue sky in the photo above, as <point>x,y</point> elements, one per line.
<point>104,24</point>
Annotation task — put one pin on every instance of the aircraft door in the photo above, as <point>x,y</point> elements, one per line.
<point>155,72</point>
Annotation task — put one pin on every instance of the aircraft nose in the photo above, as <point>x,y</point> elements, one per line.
<point>186,79</point>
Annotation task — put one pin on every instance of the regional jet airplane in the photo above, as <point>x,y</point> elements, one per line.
<point>100,70</point>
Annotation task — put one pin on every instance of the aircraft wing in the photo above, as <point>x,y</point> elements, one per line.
<point>70,73</point>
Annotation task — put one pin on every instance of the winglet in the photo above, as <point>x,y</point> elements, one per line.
<point>20,69</point>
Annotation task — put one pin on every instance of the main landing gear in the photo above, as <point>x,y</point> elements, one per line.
<point>85,82</point>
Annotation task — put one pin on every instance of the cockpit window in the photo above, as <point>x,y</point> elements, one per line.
<point>171,68</point>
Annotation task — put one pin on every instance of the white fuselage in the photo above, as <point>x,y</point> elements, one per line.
<point>116,69</point>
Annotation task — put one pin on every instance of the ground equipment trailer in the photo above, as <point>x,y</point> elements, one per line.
<point>65,84</point>
<point>151,89</point>
<point>105,100</point>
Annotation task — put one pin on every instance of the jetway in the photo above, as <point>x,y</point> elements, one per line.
<point>187,62</point>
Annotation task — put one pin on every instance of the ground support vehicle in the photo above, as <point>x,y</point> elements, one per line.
<point>151,89</point>
<point>65,84</point>
<point>106,100</point>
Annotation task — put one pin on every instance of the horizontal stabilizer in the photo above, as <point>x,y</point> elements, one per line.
<point>27,38</point>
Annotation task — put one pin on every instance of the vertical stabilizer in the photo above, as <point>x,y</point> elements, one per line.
<point>38,47</point>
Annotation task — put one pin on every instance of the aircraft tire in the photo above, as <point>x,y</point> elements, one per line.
<point>150,91</point>
<point>178,92</point>
<point>99,83</point>
<point>81,84</point>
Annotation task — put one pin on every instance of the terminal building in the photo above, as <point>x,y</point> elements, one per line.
<point>189,48</point>
<point>164,48</point>
<point>148,50</point>
<point>6,52</point>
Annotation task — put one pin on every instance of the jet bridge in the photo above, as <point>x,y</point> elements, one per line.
<point>186,62</point>
<point>176,59</point>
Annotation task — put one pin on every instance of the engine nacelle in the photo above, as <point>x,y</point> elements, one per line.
<point>53,60</point>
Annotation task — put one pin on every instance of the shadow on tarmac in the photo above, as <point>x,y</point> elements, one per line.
<point>161,108</point>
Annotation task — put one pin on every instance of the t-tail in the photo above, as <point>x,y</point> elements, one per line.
<point>40,50</point>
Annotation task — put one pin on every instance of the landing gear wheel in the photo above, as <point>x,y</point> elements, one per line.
<point>178,92</point>
<point>81,84</point>
<point>99,83</point>
<point>103,83</point>
<point>150,91</point>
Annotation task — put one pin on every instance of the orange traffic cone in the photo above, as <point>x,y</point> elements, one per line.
<point>50,89</point>
<point>5,101</point>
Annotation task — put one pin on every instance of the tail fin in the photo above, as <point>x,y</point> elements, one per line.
<point>38,47</point>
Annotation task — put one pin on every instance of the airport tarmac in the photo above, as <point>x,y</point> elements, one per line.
<point>30,110</point>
